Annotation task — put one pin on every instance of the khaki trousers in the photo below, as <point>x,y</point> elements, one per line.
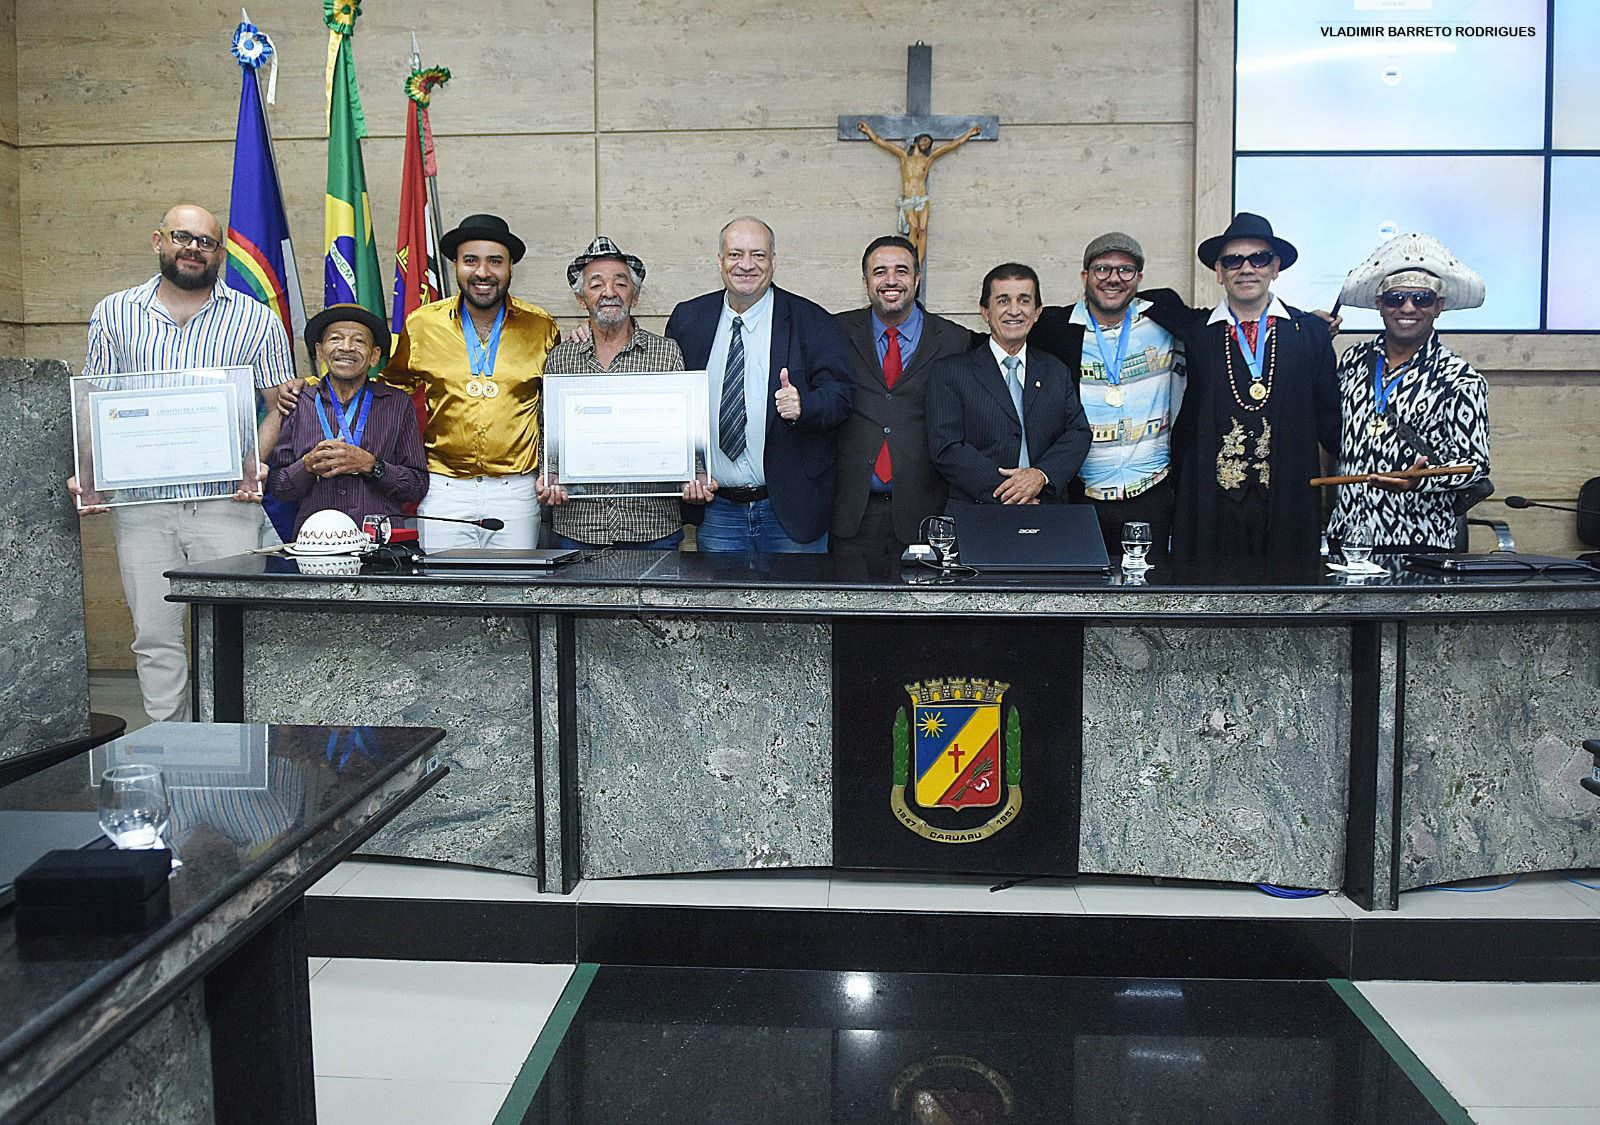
<point>151,540</point>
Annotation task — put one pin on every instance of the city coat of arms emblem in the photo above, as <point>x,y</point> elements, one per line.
<point>957,760</point>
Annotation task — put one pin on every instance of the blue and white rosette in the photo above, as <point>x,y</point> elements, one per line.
<point>253,47</point>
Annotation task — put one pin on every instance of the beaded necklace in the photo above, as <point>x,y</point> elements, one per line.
<point>1264,385</point>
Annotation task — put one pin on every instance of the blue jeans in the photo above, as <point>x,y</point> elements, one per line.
<point>665,543</point>
<point>733,527</point>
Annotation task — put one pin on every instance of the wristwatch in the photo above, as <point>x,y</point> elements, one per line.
<point>376,472</point>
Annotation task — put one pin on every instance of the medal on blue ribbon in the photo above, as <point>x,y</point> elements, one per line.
<point>1113,364</point>
<point>357,410</point>
<point>481,359</point>
<point>1254,357</point>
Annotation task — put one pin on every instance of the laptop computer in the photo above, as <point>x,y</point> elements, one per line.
<point>1061,538</point>
<point>493,558</point>
<point>1496,563</point>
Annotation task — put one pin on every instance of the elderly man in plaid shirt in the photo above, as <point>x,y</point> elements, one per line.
<point>607,283</point>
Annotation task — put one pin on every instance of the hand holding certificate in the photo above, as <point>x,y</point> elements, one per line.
<point>624,435</point>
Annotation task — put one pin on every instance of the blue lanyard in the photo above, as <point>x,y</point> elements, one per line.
<point>1255,357</point>
<point>1114,366</point>
<point>1382,388</point>
<point>362,400</point>
<point>482,361</point>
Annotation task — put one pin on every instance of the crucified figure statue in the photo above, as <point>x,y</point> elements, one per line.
<point>915,160</point>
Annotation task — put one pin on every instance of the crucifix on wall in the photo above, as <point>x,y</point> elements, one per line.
<point>921,131</point>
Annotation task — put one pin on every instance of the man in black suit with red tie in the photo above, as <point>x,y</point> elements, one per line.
<point>887,484</point>
<point>981,403</point>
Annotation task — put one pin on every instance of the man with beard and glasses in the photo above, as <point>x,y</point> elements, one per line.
<point>1407,400</point>
<point>606,283</point>
<point>351,444</point>
<point>183,318</point>
<point>887,483</point>
<point>480,360</point>
<point>1130,379</point>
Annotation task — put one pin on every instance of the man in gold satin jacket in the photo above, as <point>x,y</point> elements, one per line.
<point>479,359</point>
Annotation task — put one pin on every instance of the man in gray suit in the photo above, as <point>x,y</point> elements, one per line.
<point>1004,422</point>
<point>887,484</point>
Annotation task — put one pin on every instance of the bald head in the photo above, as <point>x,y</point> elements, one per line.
<point>189,247</point>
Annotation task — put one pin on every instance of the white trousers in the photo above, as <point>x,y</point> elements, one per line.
<point>151,540</point>
<point>513,499</point>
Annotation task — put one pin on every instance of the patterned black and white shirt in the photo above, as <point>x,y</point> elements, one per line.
<point>1445,401</point>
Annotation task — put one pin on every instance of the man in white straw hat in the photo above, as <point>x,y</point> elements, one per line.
<point>1407,400</point>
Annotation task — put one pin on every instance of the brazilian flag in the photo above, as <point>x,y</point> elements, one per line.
<point>350,270</point>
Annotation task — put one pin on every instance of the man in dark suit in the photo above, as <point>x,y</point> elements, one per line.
<point>887,484</point>
<point>779,390</point>
<point>981,403</point>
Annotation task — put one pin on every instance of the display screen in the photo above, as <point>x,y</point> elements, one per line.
<point>1474,121</point>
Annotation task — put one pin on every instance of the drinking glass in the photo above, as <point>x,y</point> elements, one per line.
<point>1135,545</point>
<point>1355,545</point>
<point>941,533</point>
<point>133,806</point>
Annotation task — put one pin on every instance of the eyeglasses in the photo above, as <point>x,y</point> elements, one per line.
<point>1420,298</point>
<point>1260,260</point>
<point>182,238</point>
<point>1103,270</point>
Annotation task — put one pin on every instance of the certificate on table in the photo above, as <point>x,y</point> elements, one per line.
<point>625,435</point>
<point>156,436</point>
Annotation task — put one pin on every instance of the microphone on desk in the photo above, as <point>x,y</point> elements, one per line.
<point>488,523</point>
<point>1520,502</point>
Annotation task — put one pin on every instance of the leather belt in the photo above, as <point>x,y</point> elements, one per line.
<point>743,494</point>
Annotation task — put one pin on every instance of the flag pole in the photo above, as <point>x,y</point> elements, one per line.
<point>433,180</point>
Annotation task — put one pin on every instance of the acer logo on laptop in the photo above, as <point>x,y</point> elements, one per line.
<point>1027,531</point>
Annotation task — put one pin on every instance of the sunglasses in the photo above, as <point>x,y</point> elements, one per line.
<point>1420,298</point>
<point>1260,260</point>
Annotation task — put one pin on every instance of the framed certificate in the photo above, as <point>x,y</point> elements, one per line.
<point>625,435</point>
<point>156,436</point>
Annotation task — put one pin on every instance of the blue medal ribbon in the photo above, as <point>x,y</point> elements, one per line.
<point>1383,388</point>
<point>1253,357</point>
<point>357,410</point>
<point>480,359</point>
<point>1113,365</point>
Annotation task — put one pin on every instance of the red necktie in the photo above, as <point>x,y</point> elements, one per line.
<point>883,468</point>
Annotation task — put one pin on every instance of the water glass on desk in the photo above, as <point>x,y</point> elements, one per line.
<point>133,806</point>
<point>941,535</point>
<point>1135,545</point>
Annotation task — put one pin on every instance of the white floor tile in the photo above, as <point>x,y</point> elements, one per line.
<point>1526,1115</point>
<point>952,893</point>
<point>335,880</point>
<point>1532,896</point>
<point>436,880</point>
<point>1134,897</point>
<point>117,693</point>
<point>364,1101</point>
<point>793,890</point>
<point>422,1021</point>
<point>1497,1044</point>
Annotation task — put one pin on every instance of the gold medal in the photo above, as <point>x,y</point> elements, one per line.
<point>1258,391</point>
<point>1114,395</point>
<point>1377,427</point>
<point>490,388</point>
<point>474,388</point>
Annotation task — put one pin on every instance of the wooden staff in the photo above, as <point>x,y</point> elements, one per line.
<point>1404,474</point>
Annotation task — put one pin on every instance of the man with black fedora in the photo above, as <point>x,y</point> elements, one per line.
<point>352,443</point>
<point>607,282</point>
<point>479,359</point>
<point>1262,398</point>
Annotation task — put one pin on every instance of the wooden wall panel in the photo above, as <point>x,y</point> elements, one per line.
<point>774,64</point>
<point>8,72</point>
<point>169,75</point>
<point>10,234</point>
<point>109,625</point>
<point>827,200</point>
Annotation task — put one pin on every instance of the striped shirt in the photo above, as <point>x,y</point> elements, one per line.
<point>605,521</point>
<point>132,332</point>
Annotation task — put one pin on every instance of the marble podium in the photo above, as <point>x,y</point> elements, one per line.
<point>1292,729</point>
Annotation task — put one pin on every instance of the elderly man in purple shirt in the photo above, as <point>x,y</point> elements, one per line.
<point>352,443</point>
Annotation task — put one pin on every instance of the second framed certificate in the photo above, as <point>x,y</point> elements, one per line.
<point>625,435</point>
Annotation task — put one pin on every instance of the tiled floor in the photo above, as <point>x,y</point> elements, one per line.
<point>396,1041</point>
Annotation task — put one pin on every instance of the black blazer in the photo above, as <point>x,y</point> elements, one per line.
<point>800,455</point>
<point>898,417</point>
<point>973,430</point>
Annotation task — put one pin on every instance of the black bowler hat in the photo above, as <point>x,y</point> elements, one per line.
<point>333,314</point>
<point>489,227</point>
<point>1246,225</point>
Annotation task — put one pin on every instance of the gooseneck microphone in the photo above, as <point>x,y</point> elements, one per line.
<point>1520,502</point>
<point>488,523</point>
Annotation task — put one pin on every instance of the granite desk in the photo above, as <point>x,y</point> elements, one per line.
<point>1297,729</point>
<point>206,1016</point>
